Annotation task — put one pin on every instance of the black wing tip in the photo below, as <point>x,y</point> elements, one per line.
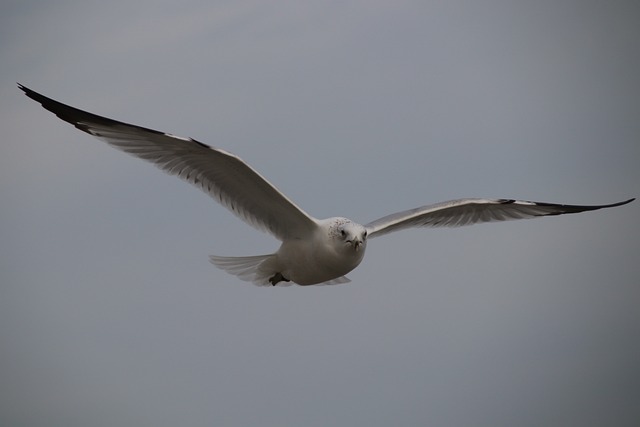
<point>31,93</point>
<point>79,118</point>
<point>35,95</point>
<point>65,112</point>
<point>594,207</point>
<point>581,208</point>
<point>620,203</point>
<point>84,120</point>
<point>612,205</point>
<point>566,209</point>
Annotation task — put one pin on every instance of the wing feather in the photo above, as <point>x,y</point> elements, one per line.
<point>222,175</point>
<point>456,213</point>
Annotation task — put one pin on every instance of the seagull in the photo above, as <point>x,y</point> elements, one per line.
<point>313,251</point>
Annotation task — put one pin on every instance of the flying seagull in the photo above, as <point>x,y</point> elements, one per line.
<point>313,251</point>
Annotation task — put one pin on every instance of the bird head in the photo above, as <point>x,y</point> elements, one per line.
<point>352,234</point>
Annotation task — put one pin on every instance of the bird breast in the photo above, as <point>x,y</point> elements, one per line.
<point>318,260</point>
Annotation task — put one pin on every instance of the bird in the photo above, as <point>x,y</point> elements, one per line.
<point>312,251</point>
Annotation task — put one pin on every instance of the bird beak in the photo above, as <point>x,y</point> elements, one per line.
<point>356,243</point>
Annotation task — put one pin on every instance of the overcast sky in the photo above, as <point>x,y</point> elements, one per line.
<point>111,314</point>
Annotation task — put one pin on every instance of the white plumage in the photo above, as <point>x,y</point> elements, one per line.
<point>313,251</point>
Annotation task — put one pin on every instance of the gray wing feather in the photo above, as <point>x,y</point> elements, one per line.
<point>224,176</point>
<point>456,213</point>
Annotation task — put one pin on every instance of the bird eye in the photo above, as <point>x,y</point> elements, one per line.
<point>343,233</point>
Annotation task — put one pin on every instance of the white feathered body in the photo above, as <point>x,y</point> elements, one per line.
<point>336,246</point>
<point>323,258</point>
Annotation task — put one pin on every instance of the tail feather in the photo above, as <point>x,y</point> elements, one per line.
<point>255,269</point>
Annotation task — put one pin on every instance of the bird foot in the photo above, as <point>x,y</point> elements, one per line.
<point>277,278</point>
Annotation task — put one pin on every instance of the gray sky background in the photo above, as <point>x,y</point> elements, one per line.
<point>111,315</point>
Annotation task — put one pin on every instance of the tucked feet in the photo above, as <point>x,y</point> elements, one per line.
<point>277,278</point>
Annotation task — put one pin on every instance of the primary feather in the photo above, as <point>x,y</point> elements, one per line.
<point>456,213</point>
<point>224,176</point>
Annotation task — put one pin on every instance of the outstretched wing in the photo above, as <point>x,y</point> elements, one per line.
<point>456,213</point>
<point>222,175</point>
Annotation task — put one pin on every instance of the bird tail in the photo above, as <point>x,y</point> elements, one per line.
<point>255,269</point>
